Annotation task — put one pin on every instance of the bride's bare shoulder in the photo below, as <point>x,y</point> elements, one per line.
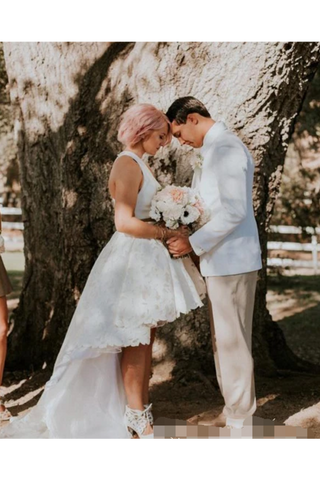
<point>125,168</point>
<point>125,162</point>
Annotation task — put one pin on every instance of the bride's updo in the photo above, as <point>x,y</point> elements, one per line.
<point>139,121</point>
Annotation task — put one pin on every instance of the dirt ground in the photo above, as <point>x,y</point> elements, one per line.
<point>290,398</point>
<point>278,398</point>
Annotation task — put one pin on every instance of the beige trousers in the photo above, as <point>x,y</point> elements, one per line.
<point>231,302</point>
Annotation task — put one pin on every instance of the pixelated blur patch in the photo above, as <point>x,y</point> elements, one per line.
<point>254,427</point>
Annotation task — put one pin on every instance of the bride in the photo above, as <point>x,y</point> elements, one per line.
<point>99,385</point>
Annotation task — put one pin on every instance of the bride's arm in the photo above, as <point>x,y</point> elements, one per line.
<point>127,178</point>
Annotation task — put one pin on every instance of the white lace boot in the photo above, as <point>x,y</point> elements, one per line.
<point>137,421</point>
<point>148,407</point>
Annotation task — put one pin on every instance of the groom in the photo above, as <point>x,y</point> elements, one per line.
<point>228,247</point>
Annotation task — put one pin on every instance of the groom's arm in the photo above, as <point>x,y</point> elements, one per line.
<point>231,168</point>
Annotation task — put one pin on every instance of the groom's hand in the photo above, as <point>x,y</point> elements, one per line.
<point>179,246</point>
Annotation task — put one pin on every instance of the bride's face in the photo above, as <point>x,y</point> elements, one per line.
<point>157,138</point>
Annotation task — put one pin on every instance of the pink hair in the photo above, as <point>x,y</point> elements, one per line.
<point>140,120</point>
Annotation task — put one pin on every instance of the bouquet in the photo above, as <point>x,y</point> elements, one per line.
<point>176,206</point>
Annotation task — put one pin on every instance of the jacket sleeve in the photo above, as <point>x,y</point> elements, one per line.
<point>231,169</point>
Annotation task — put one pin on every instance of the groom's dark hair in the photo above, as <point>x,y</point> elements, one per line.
<point>183,106</point>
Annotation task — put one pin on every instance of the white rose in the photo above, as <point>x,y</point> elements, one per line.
<point>154,213</point>
<point>174,212</point>
<point>173,224</point>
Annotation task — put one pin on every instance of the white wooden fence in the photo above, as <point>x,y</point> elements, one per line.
<point>313,248</point>
<point>11,225</point>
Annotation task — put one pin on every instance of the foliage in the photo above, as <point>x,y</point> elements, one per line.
<point>299,199</point>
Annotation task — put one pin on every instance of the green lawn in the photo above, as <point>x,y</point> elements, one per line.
<point>14,264</point>
<point>294,302</point>
<point>13,261</point>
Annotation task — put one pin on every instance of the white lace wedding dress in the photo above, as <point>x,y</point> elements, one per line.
<point>133,285</point>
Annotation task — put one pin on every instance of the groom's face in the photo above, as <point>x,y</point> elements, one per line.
<point>188,133</point>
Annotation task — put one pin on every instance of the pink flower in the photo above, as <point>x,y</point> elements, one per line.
<point>177,195</point>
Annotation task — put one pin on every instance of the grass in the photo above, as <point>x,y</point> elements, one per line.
<point>305,283</point>
<point>16,278</point>
<point>14,264</point>
<point>294,302</point>
<point>13,261</point>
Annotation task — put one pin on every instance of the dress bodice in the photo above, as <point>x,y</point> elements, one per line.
<point>148,190</point>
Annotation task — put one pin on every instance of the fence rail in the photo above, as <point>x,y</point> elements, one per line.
<point>11,211</point>
<point>6,211</point>
<point>290,229</point>
<point>313,247</point>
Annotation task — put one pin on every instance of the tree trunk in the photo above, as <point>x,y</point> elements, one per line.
<point>68,99</point>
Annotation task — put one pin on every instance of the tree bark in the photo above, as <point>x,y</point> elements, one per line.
<point>68,99</point>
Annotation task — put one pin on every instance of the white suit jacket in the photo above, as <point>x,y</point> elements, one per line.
<point>229,243</point>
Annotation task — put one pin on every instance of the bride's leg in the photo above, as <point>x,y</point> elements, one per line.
<point>3,338</point>
<point>133,367</point>
<point>148,368</point>
<point>134,362</point>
